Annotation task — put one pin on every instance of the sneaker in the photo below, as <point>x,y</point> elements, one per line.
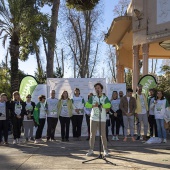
<point>116,138</point>
<point>14,141</point>
<point>36,141</point>
<point>113,138</point>
<point>6,143</point>
<point>106,153</point>
<point>67,140</point>
<point>164,141</point>
<point>138,138</point>
<point>90,153</point>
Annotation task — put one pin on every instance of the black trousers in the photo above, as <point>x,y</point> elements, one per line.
<point>51,125</point>
<point>121,123</point>
<point>88,124</point>
<point>77,124</point>
<point>113,121</point>
<point>40,128</point>
<point>65,126</point>
<point>17,124</point>
<point>4,130</point>
<point>107,128</point>
<point>152,125</point>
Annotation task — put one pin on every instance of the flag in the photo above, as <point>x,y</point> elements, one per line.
<point>27,86</point>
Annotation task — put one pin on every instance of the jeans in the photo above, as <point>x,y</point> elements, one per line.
<point>160,128</point>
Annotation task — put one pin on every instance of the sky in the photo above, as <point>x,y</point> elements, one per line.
<point>30,65</point>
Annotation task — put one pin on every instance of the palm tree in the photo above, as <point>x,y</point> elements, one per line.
<point>19,22</point>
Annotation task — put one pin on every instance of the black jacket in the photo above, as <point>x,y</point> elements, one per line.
<point>12,109</point>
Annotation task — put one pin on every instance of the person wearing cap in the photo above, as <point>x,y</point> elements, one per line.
<point>28,121</point>
<point>141,112</point>
<point>78,112</point>
<point>4,118</point>
<point>52,116</point>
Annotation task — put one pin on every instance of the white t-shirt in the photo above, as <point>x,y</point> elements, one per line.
<point>3,111</point>
<point>28,107</point>
<point>160,109</point>
<point>128,99</point>
<point>52,107</point>
<point>142,104</point>
<point>151,109</point>
<point>78,104</point>
<point>115,104</point>
<point>43,111</point>
<point>18,108</point>
<point>64,110</point>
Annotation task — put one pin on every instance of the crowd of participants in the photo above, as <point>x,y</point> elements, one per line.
<point>126,111</point>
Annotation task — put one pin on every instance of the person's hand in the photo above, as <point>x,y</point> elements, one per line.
<point>130,114</point>
<point>115,114</point>
<point>18,116</point>
<point>136,115</point>
<point>127,114</point>
<point>107,110</point>
<point>96,104</point>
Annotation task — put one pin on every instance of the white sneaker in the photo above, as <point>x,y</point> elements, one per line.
<point>36,141</point>
<point>90,153</point>
<point>164,141</point>
<point>14,141</point>
<point>106,153</point>
<point>113,138</point>
<point>116,138</point>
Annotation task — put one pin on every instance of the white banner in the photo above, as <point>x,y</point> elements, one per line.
<point>115,87</point>
<point>86,86</point>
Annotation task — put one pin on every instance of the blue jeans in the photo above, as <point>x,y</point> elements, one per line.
<point>160,128</point>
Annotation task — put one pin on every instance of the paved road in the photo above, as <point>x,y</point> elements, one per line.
<point>69,155</point>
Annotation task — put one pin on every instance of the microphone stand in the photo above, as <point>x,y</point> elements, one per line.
<point>100,156</point>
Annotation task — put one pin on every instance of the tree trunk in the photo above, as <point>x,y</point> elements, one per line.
<point>52,38</point>
<point>14,53</point>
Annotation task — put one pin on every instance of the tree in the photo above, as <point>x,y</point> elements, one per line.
<point>80,39</point>
<point>5,77</point>
<point>19,23</point>
<point>52,31</point>
<point>165,81</point>
<point>120,8</point>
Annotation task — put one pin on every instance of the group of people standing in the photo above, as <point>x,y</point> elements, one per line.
<point>118,111</point>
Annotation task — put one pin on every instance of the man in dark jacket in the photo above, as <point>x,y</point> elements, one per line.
<point>128,106</point>
<point>4,118</point>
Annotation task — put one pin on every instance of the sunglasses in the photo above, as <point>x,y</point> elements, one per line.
<point>28,97</point>
<point>43,98</point>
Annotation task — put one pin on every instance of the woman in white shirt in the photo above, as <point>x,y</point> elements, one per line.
<point>65,110</point>
<point>42,113</point>
<point>78,113</point>
<point>160,106</point>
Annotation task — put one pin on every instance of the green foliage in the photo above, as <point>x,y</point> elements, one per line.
<point>5,76</point>
<point>58,73</point>
<point>128,78</point>
<point>164,82</point>
<point>40,76</point>
<point>81,5</point>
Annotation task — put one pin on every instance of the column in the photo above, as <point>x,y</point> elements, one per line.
<point>120,73</point>
<point>145,53</point>
<point>135,77</point>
